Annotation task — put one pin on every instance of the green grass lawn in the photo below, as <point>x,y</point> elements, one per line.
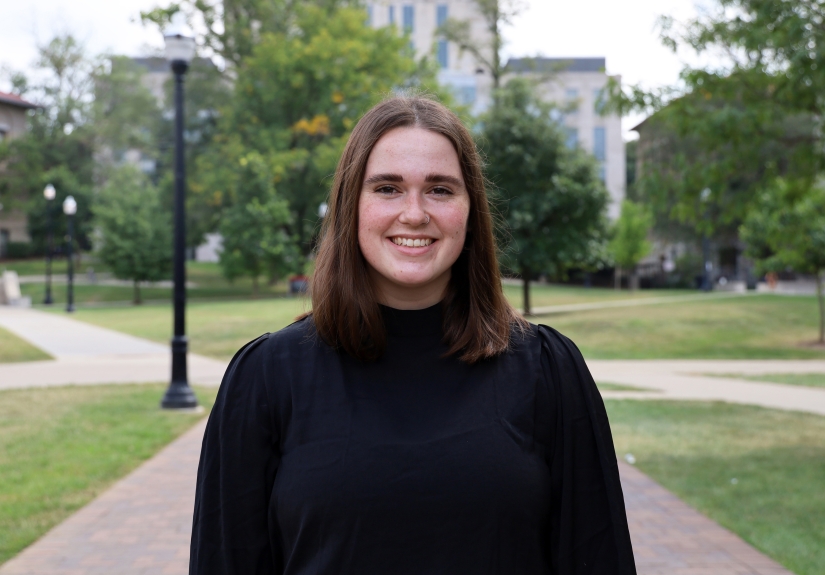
<point>777,458</point>
<point>763,326</point>
<point>61,447</point>
<point>215,329</point>
<point>604,386</point>
<point>209,284</point>
<point>14,349</point>
<point>803,379</point>
<point>750,327</point>
<point>542,295</point>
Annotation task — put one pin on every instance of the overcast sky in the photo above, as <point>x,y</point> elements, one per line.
<point>623,32</point>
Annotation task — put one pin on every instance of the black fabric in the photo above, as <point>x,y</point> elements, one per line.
<point>315,463</point>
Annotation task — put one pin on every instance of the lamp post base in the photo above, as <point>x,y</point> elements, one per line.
<point>179,396</point>
<point>48,300</point>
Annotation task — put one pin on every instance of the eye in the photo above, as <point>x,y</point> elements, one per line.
<point>386,190</point>
<point>441,191</point>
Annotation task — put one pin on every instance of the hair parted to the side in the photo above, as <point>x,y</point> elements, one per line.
<point>477,318</point>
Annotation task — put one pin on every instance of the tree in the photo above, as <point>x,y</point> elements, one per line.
<point>629,242</point>
<point>296,98</point>
<point>786,229</point>
<point>135,239</point>
<point>552,200</point>
<point>255,241</point>
<point>496,14</point>
<point>735,127</point>
<point>58,147</point>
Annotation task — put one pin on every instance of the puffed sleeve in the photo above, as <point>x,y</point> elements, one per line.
<point>588,531</point>
<point>238,462</point>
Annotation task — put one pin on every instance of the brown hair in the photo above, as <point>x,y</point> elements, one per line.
<point>477,317</point>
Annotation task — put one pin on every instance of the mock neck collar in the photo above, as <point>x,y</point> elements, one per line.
<point>413,322</point>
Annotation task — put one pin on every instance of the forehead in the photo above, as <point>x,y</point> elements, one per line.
<point>413,152</point>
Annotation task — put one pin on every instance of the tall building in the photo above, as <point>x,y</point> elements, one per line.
<point>575,84</point>
<point>470,82</point>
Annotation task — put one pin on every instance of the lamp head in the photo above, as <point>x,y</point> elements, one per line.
<point>705,195</point>
<point>49,192</point>
<point>322,210</point>
<point>69,206</point>
<point>179,39</point>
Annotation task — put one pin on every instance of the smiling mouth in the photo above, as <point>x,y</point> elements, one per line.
<point>412,243</point>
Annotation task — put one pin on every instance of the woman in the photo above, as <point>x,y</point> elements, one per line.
<point>412,423</point>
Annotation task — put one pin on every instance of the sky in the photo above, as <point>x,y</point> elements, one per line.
<point>624,33</point>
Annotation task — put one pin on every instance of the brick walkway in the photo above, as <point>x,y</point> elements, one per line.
<point>142,524</point>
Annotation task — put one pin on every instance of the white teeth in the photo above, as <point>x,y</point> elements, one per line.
<point>410,243</point>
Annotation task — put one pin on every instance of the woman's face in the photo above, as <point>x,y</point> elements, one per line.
<point>412,216</point>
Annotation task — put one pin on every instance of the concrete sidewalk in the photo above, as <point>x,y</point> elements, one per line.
<point>87,354</point>
<point>142,525</point>
<point>693,380</point>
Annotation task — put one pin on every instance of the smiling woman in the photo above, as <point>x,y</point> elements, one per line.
<point>412,422</point>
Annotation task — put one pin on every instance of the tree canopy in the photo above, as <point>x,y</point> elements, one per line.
<point>550,196</point>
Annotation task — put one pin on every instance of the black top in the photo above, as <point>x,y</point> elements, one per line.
<point>315,463</point>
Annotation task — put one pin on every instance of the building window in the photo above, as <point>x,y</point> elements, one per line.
<point>369,14</point>
<point>602,173</point>
<point>598,102</point>
<point>599,144</point>
<point>572,137</point>
<point>443,53</point>
<point>440,14</point>
<point>572,97</point>
<point>392,14</point>
<point>408,17</point>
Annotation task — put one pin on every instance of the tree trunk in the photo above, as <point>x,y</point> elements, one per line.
<point>634,280</point>
<point>821,306</point>
<point>617,277</point>
<point>255,286</point>
<point>525,278</point>
<point>136,300</point>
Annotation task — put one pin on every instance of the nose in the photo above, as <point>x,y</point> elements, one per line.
<point>413,213</point>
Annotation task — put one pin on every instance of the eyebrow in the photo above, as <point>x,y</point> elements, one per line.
<point>443,178</point>
<point>430,178</point>
<point>383,178</point>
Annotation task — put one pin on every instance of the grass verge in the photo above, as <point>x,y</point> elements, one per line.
<point>803,379</point>
<point>749,327</point>
<point>777,458</point>
<point>13,349</point>
<point>604,386</point>
<point>61,447</point>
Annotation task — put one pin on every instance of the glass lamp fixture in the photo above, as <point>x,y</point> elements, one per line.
<point>49,192</point>
<point>180,42</point>
<point>69,206</point>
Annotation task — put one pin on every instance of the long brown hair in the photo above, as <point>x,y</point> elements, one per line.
<point>477,318</point>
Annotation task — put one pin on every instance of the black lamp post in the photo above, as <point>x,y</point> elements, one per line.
<point>49,193</point>
<point>708,266</point>
<point>70,209</point>
<point>180,48</point>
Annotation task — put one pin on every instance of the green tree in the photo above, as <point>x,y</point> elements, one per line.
<point>254,228</point>
<point>134,238</point>
<point>296,98</point>
<point>552,200</point>
<point>629,242</point>
<point>58,147</point>
<point>786,230</point>
<point>734,127</point>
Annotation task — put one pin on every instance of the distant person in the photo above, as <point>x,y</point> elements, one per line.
<point>413,422</point>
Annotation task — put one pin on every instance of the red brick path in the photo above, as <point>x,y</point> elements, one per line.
<point>141,525</point>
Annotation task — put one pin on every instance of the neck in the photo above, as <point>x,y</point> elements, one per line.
<point>410,297</point>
